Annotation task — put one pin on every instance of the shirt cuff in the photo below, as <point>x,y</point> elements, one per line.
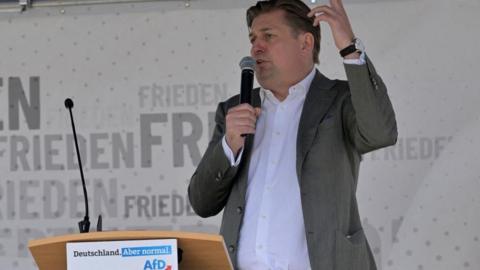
<point>228,152</point>
<point>360,61</point>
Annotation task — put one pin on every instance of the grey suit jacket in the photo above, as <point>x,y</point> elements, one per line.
<point>340,121</point>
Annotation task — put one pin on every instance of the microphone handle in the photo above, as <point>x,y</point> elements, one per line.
<point>246,87</point>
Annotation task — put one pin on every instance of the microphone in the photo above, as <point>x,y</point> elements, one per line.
<point>84,225</point>
<point>247,64</point>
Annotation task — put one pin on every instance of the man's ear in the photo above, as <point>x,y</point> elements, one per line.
<point>307,41</point>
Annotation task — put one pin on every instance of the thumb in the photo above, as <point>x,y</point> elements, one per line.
<point>257,111</point>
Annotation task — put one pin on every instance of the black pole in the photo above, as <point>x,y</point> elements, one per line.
<point>83,225</point>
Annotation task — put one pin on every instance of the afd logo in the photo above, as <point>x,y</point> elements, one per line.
<point>156,264</point>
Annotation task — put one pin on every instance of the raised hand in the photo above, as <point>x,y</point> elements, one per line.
<point>336,17</point>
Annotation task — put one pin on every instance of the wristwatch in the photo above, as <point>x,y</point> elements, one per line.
<point>356,46</point>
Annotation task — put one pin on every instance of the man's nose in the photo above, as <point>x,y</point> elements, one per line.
<point>258,47</point>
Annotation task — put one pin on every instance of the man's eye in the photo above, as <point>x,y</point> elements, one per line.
<point>269,36</point>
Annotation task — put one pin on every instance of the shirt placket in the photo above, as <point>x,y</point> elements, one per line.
<point>280,123</point>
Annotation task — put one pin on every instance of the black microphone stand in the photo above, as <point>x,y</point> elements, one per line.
<point>83,225</point>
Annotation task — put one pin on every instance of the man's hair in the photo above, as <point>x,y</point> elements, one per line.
<point>296,16</point>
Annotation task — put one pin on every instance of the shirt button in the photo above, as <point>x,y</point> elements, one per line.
<point>259,246</point>
<point>231,248</point>
<point>239,210</point>
<point>278,132</point>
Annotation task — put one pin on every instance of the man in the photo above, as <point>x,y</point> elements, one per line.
<point>288,192</point>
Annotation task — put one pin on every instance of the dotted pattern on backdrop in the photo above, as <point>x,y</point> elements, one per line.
<point>417,199</point>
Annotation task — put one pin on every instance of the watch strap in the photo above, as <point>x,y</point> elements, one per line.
<point>355,46</point>
<point>348,50</point>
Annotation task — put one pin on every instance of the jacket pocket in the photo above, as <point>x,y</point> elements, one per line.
<point>351,251</point>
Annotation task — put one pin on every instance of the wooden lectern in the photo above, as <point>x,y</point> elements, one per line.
<point>200,251</point>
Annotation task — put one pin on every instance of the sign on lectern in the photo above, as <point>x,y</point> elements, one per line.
<point>158,254</point>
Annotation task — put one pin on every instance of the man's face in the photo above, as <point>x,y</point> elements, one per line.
<point>277,49</point>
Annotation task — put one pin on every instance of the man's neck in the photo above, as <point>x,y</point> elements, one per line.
<point>281,92</point>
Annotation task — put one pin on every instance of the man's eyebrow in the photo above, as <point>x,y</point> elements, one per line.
<point>265,29</point>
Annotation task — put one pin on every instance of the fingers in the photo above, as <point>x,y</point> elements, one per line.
<point>242,114</point>
<point>242,107</point>
<point>336,17</point>
<point>323,13</point>
<point>319,10</point>
<point>336,4</point>
<point>240,120</point>
<point>245,107</point>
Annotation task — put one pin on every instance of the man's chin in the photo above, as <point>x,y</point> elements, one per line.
<point>263,78</point>
<point>265,84</point>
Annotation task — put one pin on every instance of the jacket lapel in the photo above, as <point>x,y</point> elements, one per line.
<point>317,102</point>
<point>256,100</point>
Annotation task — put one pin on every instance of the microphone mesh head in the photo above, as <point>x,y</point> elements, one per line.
<point>247,62</point>
<point>68,103</point>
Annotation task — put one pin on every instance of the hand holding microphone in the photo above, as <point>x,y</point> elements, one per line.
<point>240,120</point>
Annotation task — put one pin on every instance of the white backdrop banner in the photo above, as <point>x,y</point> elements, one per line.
<point>145,79</point>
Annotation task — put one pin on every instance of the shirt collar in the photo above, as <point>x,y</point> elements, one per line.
<point>299,89</point>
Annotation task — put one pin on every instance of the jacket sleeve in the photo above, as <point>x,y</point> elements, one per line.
<point>368,113</point>
<point>213,179</point>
